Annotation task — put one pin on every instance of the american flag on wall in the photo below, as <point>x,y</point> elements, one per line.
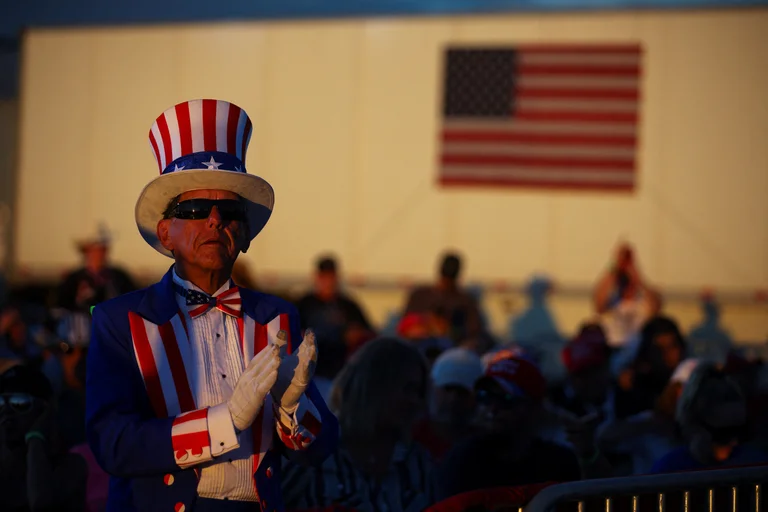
<point>543,116</point>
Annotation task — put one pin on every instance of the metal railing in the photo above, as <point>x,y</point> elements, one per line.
<point>658,489</point>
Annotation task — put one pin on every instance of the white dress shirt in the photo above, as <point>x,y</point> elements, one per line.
<point>217,366</point>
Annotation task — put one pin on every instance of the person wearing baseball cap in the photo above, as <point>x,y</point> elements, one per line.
<point>196,387</point>
<point>588,384</point>
<point>507,451</point>
<point>454,374</point>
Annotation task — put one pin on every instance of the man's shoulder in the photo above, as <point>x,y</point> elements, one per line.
<point>123,303</point>
<point>279,304</point>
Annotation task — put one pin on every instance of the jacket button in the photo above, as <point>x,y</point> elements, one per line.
<point>168,479</point>
<point>269,472</point>
<point>179,507</point>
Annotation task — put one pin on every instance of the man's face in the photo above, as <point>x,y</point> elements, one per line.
<point>326,283</point>
<point>498,412</point>
<point>95,256</point>
<point>210,244</point>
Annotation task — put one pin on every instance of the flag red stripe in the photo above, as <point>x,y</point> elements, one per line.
<point>532,161</point>
<point>209,125</point>
<point>191,416</point>
<point>185,130</point>
<point>162,125</point>
<point>537,138</point>
<point>285,325</point>
<point>232,120</point>
<point>580,70</point>
<point>539,184</point>
<point>574,49</point>
<point>587,117</point>
<point>155,148</point>
<point>147,364</point>
<point>168,336</point>
<point>575,93</point>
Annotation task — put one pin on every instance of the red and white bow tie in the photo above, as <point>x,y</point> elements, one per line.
<point>199,303</point>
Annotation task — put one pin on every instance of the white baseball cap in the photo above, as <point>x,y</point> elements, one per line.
<point>457,367</point>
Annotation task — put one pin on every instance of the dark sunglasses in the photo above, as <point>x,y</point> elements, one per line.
<point>197,209</point>
<point>18,403</point>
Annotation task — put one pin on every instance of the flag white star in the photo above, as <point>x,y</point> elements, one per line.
<point>213,164</point>
<point>177,168</point>
<point>238,169</point>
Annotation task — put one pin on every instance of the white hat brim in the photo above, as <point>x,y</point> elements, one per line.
<point>153,200</point>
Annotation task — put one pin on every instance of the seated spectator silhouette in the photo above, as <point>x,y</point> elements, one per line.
<point>712,417</point>
<point>377,397</point>
<point>648,435</point>
<point>329,310</point>
<point>35,472</point>
<point>506,452</point>
<point>16,340</point>
<point>588,386</point>
<point>453,401</point>
<point>659,350</point>
<point>446,295</point>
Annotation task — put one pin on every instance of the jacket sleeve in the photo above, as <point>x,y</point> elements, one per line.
<point>125,436</point>
<point>311,432</point>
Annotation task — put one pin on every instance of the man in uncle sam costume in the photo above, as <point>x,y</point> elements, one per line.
<point>197,387</point>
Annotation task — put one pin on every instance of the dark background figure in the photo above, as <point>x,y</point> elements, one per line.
<point>96,281</point>
<point>36,471</point>
<point>452,406</point>
<point>712,417</point>
<point>327,309</point>
<point>624,298</point>
<point>378,398</point>
<point>660,350</point>
<point>507,451</point>
<point>16,339</point>
<point>447,296</point>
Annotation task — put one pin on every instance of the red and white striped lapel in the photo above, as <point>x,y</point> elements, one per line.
<point>165,361</point>
<point>253,339</point>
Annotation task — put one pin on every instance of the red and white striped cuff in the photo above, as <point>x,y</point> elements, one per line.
<point>297,430</point>
<point>200,435</point>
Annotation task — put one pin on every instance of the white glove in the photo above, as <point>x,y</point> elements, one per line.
<point>295,373</point>
<point>252,387</point>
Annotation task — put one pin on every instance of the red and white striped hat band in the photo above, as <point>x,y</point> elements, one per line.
<point>201,134</point>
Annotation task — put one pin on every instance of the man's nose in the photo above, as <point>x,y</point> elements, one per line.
<point>214,219</point>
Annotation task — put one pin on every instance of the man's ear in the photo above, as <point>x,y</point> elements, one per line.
<point>164,234</point>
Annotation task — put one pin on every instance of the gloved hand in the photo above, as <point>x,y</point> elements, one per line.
<point>295,373</point>
<point>253,386</point>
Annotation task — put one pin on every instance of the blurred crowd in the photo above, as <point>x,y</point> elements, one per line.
<point>432,407</point>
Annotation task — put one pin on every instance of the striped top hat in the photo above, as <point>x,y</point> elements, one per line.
<point>199,145</point>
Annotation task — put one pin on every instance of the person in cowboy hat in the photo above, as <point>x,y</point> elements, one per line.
<point>196,387</point>
<point>97,280</point>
